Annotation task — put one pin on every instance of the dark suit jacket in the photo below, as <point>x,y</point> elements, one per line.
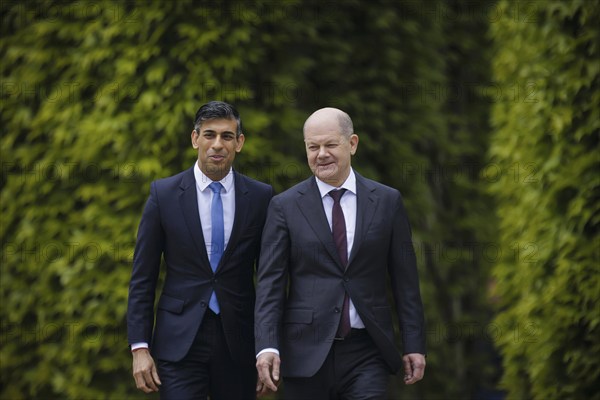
<point>298,248</point>
<point>170,226</point>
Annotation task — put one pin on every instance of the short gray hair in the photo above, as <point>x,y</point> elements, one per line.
<point>346,126</point>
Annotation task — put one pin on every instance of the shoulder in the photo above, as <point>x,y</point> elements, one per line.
<point>377,187</point>
<point>297,190</point>
<point>258,192</point>
<point>183,178</point>
<point>253,183</point>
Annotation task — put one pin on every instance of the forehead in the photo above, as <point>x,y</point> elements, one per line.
<point>323,138</point>
<point>219,125</point>
<point>322,131</point>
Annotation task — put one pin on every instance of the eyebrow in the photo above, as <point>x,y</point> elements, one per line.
<point>213,131</point>
<point>309,142</point>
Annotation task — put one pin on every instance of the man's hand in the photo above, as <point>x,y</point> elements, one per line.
<point>144,371</point>
<point>414,367</point>
<point>267,366</point>
<point>261,389</point>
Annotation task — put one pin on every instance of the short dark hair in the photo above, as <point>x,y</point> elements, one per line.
<point>217,110</point>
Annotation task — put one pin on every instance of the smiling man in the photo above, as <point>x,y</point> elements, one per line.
<point>330,243</point>
<point>206,222</point>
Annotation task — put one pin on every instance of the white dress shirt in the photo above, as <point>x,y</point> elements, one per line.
<point>348,204</point>
<point>204,194</point>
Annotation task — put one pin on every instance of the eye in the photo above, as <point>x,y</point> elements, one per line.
<point>228,136</point>
<point>332,145</point>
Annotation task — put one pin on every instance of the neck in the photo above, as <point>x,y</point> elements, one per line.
<point>215,174</point>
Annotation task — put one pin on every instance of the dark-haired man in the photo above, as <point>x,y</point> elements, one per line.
<point>206,222</point>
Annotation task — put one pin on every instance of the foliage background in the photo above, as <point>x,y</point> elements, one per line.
<point>484,114</point>
<point>553,284</point>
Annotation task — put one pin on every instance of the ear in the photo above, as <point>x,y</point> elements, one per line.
<point>195,136</point>
<point>353,143</point>
<point>240,143</point>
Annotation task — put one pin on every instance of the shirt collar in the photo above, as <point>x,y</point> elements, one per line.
<point>349,184</point>
<point>202,181</point>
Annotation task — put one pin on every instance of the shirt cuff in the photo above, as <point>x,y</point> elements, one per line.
<point>268,350</point>
<point>139,345</point>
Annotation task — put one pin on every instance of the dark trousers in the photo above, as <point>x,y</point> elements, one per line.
<point>208,369</point>
<point>353,370</point>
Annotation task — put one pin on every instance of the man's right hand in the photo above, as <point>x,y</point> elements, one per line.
<point>144,371</point>
<point>267,365</point>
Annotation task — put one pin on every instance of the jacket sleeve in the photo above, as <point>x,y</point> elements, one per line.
<point>405,282</point>
<point>144,276</point>
<point>271,279</point>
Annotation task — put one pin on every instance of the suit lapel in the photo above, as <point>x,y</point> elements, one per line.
<point>366,205</point>
<point>188,200</point>
<point>239,220</point>
<point>311,205</point>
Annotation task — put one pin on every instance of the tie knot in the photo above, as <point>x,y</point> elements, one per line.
<point>216,187</point>
<point>336,195</point>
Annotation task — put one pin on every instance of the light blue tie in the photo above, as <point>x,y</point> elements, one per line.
<point>217,243</point>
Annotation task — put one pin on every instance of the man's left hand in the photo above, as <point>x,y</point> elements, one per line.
<point>414,367</point>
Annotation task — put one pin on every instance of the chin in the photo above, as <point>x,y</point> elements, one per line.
<point>327,178</point>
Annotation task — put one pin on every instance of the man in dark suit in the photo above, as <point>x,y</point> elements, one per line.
<point>206,222</point>
<point>329,243</point>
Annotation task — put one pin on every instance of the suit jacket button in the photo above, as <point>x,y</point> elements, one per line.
<point>346,279</point>
<point>337,310</point>
<point>203,304</point>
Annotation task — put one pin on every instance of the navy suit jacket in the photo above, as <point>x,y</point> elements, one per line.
<point>300,320</point>
<point>170,227</point>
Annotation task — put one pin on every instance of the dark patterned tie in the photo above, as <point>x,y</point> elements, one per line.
<point>338,225</point>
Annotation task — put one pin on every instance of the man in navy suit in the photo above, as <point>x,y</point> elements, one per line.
<point>323,321</point>
<point>206,222</point>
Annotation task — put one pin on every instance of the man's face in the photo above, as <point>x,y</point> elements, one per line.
<point>217,144</point>
<point>327,151</point>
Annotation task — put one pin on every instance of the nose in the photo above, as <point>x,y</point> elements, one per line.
<point>217,143</point>
<point>322,152</point>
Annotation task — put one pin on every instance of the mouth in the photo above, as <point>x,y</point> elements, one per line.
<point>325,165</point>
<point>216,157</point>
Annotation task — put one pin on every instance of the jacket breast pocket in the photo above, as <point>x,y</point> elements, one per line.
<point>171,304</point>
